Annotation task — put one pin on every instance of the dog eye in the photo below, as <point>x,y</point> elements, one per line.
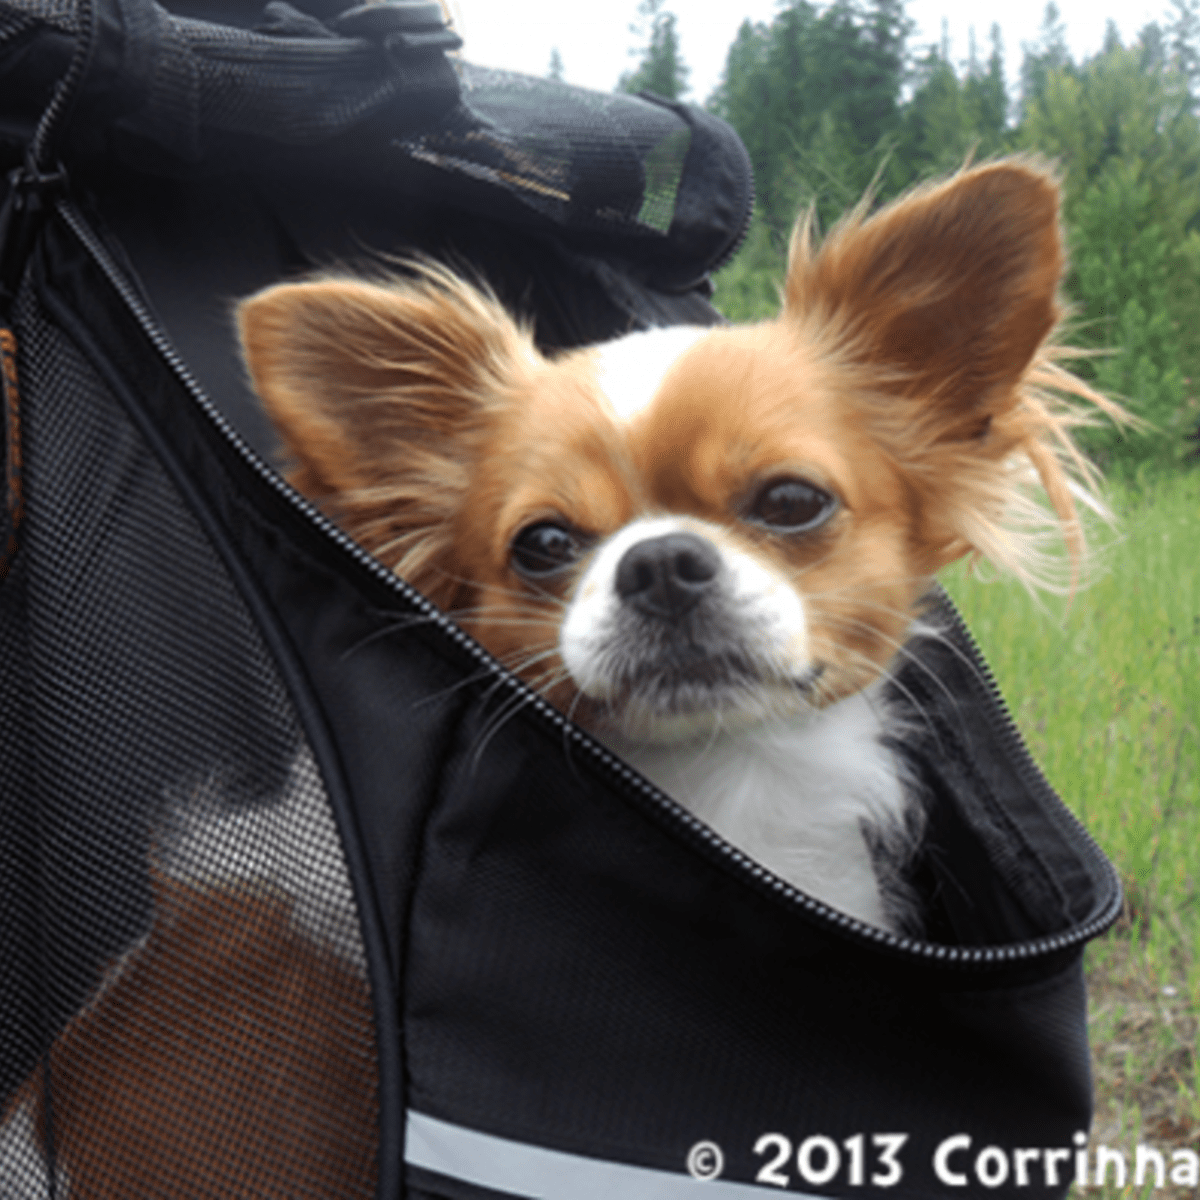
<point>792,506</point>
<point>544,548</point>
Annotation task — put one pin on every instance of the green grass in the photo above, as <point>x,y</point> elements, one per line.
<point>1107,694</point>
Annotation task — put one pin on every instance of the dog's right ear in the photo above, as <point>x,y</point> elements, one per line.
<point>382,394</point>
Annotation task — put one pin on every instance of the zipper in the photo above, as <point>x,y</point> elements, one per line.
<point>635,785</point>
<point>1001,721</point>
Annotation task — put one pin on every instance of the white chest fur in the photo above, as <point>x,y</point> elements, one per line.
<point>794,796</point>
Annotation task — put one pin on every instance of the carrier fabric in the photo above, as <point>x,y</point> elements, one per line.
<point>273,830</point>
<point>569,977</point>
<point>160,810</point>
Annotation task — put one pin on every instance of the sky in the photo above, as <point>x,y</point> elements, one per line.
<point>594,39</point>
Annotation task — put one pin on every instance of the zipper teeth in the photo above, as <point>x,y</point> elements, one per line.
<point>677,815</point>
<point>50,127</point>
<point>1029,769</point>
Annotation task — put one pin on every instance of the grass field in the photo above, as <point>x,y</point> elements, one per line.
<point>1107,694</point>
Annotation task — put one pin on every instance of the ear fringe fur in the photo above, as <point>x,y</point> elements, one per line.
<point>411,342</point>
<point>419,552</point>
<point>1002,508</point>
<point>1049,492</point>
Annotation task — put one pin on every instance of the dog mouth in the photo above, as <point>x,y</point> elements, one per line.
<point>696,682</point>
<point>674,634</point>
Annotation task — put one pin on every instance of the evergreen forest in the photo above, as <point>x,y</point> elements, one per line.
<point>833,101</point>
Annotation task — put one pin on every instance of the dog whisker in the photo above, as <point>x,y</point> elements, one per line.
<point>693,594</point>
<point>903,648</point>
<point>507,711</point>
<point>894,681</point>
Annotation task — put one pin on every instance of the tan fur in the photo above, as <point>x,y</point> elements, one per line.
<point>912,371</point>
<point>350,371</point>
<point>951,294</point>
<point>205,1064</point>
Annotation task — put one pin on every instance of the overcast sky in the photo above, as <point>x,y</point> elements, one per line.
<point>594,38</point>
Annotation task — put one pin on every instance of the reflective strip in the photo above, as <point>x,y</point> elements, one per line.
<point>541,1174</point>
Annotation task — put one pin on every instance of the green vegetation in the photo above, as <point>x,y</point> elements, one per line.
<point>1107,695</point>
<point>815,97</point>
<point>660,67</point>
<point>832,104</point>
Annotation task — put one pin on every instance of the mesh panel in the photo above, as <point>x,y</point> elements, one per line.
<point>665,188</point>
<point>592,161</point>
<point>187,78</point>
<point>303,90</point>
<point>600,161</point>
<point>60,13</point>
<point>184,947</point>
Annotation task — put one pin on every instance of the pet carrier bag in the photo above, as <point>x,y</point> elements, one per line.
<point>302,894</point>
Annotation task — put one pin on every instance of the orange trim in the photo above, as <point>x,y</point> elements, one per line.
<point>12,427</point>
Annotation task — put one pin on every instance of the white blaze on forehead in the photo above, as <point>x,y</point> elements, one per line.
<point>631,369</point>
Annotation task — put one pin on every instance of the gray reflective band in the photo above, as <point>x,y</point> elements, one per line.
<point>541,1174</point>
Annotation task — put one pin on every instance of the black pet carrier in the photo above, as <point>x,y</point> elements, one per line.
<point>302,895</point>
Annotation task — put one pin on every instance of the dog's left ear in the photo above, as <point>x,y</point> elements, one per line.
<point>382,394</point>
<point>946,294</point>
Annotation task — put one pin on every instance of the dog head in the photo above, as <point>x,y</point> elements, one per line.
<point>694,526</point>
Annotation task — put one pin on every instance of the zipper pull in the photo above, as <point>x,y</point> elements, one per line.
<point>31,195</point>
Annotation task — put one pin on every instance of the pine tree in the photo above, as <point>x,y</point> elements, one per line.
<point>761,96</point>
<point>939,129</point>
<point>1122,128</point>
<point>555,70</point>
<point>1115,106</point>
<point>1112,37</point>
<point>1047,55</point>
<point>740,95</point>
<point>988,94</point>
<point>949,119</point>
<point>875,54</point>
<point>661,68</point>
<point>1152,43</point>
<point>1120,280</point>
<point>1183,38</point>
<point>815,98</point>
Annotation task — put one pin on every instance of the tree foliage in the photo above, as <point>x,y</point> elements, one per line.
<point>832,102</point>
<point>1047,56</point>
<point>661,68</point>
<point>1121,257</point>
<point>1182,43</point>
<point>815,96</point>
<point>1122,129</point>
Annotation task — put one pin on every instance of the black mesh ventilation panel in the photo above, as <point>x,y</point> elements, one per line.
<point>178,923</point>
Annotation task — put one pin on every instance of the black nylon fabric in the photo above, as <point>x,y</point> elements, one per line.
<point>664,188</point>
<point>154,746</point>
<point>276,831</point>
<point>575,965</point>
<point>196,244</point>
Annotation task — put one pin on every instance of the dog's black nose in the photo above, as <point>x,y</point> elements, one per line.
<point>666,576</point>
